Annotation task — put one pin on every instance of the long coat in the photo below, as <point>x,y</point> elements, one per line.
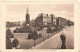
<point>8,41</point>
<point>63,39</point>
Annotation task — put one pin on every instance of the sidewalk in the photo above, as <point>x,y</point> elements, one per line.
<point>55,41</point>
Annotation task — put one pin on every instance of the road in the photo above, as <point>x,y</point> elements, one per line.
<point>55,41</point>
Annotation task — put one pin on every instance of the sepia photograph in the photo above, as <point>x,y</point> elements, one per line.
<point>39,25</point>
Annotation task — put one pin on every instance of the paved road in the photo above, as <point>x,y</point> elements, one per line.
<point>55,41</point>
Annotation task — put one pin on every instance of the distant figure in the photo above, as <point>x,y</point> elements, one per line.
<point>69,26</point>
<point>63,39</point>
<point>15,43</point>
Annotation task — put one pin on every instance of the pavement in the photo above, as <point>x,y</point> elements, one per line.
<point>55,42</point>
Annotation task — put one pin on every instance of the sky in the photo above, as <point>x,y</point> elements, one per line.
<point>17,12</point>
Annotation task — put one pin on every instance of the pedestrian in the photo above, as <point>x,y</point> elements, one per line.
<point>9,35</point>
<point>8,43</point>
<point>63,39</point>
<point>15,43</point>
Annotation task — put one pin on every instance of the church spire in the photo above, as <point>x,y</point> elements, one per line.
<point>27,16</point>
<point>27,9</point>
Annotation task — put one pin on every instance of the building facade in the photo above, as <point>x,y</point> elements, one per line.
<point>61,21</point>
<point>49,20</point>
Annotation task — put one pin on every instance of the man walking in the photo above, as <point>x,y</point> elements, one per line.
<point>15,43</point>
<point>63,39</point>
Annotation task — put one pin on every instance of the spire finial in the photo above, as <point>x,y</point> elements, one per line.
<point>27,9</point>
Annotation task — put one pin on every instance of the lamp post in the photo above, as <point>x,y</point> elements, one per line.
<point>34,40</point>
<point>43,37</point>
<point>48,35</point>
